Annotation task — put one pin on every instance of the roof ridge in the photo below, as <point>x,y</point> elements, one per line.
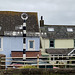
<point>17,12</point>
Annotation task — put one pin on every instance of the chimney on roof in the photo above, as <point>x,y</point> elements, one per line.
<point>41,22</point>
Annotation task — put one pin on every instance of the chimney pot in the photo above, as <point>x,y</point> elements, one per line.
<point>41,22</point>
<point>41,17</point>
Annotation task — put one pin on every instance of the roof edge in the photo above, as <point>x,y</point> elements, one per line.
<point>59,25</point>
<point>17,12</point>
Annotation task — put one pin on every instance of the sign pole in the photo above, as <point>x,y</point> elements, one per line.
<point>24,16</point>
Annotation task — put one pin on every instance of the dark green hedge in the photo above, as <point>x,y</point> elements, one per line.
<point>38,72</point>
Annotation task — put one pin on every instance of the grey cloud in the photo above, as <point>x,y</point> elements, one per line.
<point>54,11</point>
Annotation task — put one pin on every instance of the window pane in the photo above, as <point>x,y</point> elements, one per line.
<point>51,43</point>
<point>50,29</point>
<point>69,29</point>
<point>0,42</point>
<point>31,44</point>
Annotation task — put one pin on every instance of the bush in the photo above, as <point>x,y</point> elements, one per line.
<point>27,66</point>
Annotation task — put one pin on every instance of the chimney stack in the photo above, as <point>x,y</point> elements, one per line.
<point>41,22</point>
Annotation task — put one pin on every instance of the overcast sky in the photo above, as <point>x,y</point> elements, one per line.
<point>54,11</point>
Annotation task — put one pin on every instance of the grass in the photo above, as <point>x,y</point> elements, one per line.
<point>27,66</point>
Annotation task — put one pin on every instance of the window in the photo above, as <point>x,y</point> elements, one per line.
<point>50,29</point>
<point>69,29</point>
<point>31,44</point>
<point>74,43</point>
<point>1,43</point>
<point>52,43</point>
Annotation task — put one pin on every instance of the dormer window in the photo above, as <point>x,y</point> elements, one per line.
<point>69,29</point>
<point>50,29</point>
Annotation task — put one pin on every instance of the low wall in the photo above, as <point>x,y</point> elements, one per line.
<point>38,71</point>
<point>28,53</point>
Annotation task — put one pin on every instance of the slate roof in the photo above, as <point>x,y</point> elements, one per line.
<point>59,51</point>
<point>60,32</point>
<point>9,20</point>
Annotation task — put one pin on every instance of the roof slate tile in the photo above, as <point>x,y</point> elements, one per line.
<point>9,19</point>
<point>60,32</point>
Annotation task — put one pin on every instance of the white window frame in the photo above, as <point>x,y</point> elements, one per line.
<point>1,49</point>
<point>50,29</point>
<point>70,29</point>
<point>31,49</point>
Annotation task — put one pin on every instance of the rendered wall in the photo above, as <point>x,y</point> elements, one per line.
<point>11,44</point>
<point>64,43</point>
<point>16,44</point>
<point>36,43</point>
<point>45,44</point>
<point>59,43</point>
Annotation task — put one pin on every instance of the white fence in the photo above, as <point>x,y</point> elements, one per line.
<point>59,61</point>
